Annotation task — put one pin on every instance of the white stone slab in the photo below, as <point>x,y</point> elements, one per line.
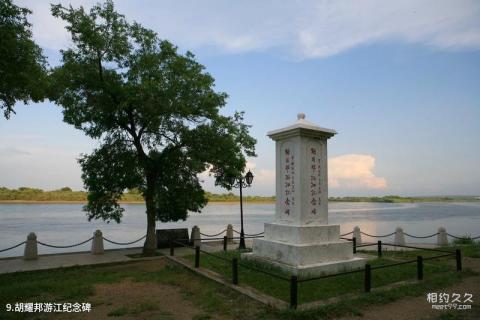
<point>302,254</point>
<point>298,234</point>
<point>312,270</point>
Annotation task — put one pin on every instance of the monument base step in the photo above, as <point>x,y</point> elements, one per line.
<point>311,270</point>
<point>300,234</point>
<point>303,254</point>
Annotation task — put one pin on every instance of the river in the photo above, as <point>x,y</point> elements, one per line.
<point>65,224</point>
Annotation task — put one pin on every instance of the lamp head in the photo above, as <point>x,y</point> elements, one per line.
<point>249,177</point>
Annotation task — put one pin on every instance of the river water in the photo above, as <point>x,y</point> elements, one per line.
<point>65,224</point>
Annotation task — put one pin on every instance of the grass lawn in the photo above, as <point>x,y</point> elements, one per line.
<point>330,287</point>
<point>208,299</point>
<point>78,284</point>
<point>469,249</point>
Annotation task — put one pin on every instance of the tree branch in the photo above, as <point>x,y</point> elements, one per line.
<point>99,64</point>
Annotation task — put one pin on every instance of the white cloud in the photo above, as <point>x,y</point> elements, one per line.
<point>265,177</point>
<point>306,29</point>
<point>354,171</point>
<point>346,172</point>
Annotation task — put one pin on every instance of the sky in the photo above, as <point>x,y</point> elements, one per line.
<point>398,80</point>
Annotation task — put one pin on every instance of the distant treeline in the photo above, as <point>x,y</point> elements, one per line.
<point>67,194</point>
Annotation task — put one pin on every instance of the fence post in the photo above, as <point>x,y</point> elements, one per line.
<point>293,292</point>
<point>379,248</point>
<point>172,247</point>
<point>235,271</point>
<point>230,233</point>
<point>225,239</point>
<point>196,237</point>
<point>97,243</point>
<point>354,240</point>
<point>197,256</point>
<point>399,237</point>
<point>442,239</point>
<point>458,257</point>
<point>368,278</point>
<point>419,268</point>
<point>31,250</point>
<point>357,234</point>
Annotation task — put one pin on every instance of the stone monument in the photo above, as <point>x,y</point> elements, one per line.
<point>300,240</point>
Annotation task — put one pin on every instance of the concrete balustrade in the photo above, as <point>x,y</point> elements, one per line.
<point>358,235</point>
<point>442,239</point>
<point>31,249</point>
<point>196,236</point>
<point>97,242</point>
<point>399,237</point>
<point>230,233</point>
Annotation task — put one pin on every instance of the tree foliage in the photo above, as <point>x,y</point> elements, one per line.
<point>155,112</point>
<point>22,65</point>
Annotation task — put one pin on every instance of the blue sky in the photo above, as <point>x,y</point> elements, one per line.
<point>399,82</point>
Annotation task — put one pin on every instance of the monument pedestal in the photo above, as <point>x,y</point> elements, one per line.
<point>305,250</point>
<point>300,240</point>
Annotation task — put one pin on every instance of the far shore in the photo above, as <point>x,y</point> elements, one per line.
<point>122,202</point>
<point>227,202</point>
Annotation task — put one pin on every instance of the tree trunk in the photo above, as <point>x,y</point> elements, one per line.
<point>150,245</point>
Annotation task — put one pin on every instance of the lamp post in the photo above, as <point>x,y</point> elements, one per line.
<point>241,182</point>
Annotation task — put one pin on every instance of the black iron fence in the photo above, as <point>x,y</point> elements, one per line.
<point>294,280</point>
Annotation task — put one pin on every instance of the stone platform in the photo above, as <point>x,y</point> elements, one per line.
<point>305,250</point>
<point>312,270</point>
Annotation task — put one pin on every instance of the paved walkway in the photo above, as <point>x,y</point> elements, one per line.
<point>51,261</point>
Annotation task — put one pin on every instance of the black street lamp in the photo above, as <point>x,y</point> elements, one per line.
<point>241,182</point>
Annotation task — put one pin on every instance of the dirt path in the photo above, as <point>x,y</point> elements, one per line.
<point>415,308</point>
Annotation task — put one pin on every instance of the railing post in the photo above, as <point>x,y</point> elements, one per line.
<point>97,243</point>
<point>31,250</point>
<point>419,268</point>
<point>197,256</point>
<point>235,271</point>
<point>354,240</point>
<point>172,248</point>
<point>357,234</point>
<point>225,239</point>
<point>230,233</point>
<point>368,278</point>
<point>399,237</point>
<point>442,239</point>
<point>293,292</point>
<point>379,248</point>
<point>458,257</point>
<point>196,237</point>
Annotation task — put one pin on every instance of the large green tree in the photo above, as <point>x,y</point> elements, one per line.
<point>22,65</point>
<point>155,113</point>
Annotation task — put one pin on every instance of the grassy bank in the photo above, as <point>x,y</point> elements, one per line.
<point>67,195</point>
<point>83,284</point>
<point>105,288</point>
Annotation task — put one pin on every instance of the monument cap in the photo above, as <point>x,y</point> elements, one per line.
<point>302,127</point>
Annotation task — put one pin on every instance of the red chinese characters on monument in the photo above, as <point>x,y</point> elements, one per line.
<point>289,187</point>
<point>315,189</point>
